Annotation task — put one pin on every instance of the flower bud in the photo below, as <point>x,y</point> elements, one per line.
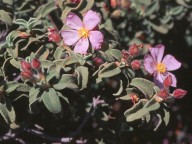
<point>125,54</point>
<point>179,93</point>
<point>136,64</point>
<point>36,64</point>
<point>25,65</point>
<point>113,3</point>
<point>168,81</point>
<point>98,61</point>
<point>26,74</point>
<point>75,1</point>
<point>134,50</point>
<point>53,35</point>
<point>163,93</point>
<point>23,35</point>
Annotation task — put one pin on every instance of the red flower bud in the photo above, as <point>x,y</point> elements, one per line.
<point>26,74</point>
<point>163,93</point>
<point>75,1</point>
<point>136,64</point>
<point>134,50</point>
<point>98,61</point>
<point>179,93</point>
<point>113,3</point>
<point>125,54</point>
<point>25,65</point>
<point>23,35</point>
<point>36,64</point>
<point>168,81</point>
<point>53,35</point>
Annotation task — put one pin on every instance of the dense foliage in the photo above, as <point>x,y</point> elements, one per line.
<point>87,71</point>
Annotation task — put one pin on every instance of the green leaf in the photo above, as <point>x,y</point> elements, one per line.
<point>63,97</point>
<point>166,117</point>
<point>7,111</point>
<point>117,54</point>
<point>11,86</point>
<point>51,101</point>
<point>177,10</point>
<point>5,17</point>
<point>45,9</point>
<point>33,98</point>
<point>20,22</point>
<point>66,81</point>
<point>58,52</point>
<point>145,86</point>
<point>109,70</point>
<point>83,76</point>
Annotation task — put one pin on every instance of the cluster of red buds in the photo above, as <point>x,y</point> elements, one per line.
<point>31,71</point>
<point>132,52</point>
<point>53,35</point>
<point>164,93</point>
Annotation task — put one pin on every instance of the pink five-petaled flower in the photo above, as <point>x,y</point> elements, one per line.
<point>158,66</point>
<point>82,32</point>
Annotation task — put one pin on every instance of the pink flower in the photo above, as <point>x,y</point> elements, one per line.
<point>160,68</point>
<point>83,32</point>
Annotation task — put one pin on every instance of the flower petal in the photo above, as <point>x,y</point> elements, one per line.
<point>159,78</point>
<point>149,64</point>
<point>96,39</point>
<point>73,21</point>
<point>82,46</point>
<point>91,20</point>
<point>157,52</point>
<point>70,37</point>
<point>171,63</point>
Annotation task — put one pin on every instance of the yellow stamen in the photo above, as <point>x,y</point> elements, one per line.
<point>83,33</point>
<point>161,67</point>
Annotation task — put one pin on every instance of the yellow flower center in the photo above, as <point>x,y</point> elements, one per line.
<point>161,67</point>
<point>83,33</point>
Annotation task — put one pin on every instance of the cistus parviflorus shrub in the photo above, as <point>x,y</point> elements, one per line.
<point>68,61</point>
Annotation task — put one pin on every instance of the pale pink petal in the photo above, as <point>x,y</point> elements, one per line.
<point>159,78</point>
<point>171,63</point>
<point>149,64</point>
<point>70,37</point>
<point>73,21</point>
<point>96,39</point>
<point>91,20</point>
<point>157,52</point>
<point>82,46</point>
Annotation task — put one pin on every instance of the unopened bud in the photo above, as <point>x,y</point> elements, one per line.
<point>113,3</point>
<point>36,64</point>
<point>26,74</point>
<point>134,49</point>
<point>136,64</point>
<point>25,65</point>
<point>23,35</point>
<point>168,81</point>
<point>179,93</point>
<point>163,93</point>
<point>53,35</point>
